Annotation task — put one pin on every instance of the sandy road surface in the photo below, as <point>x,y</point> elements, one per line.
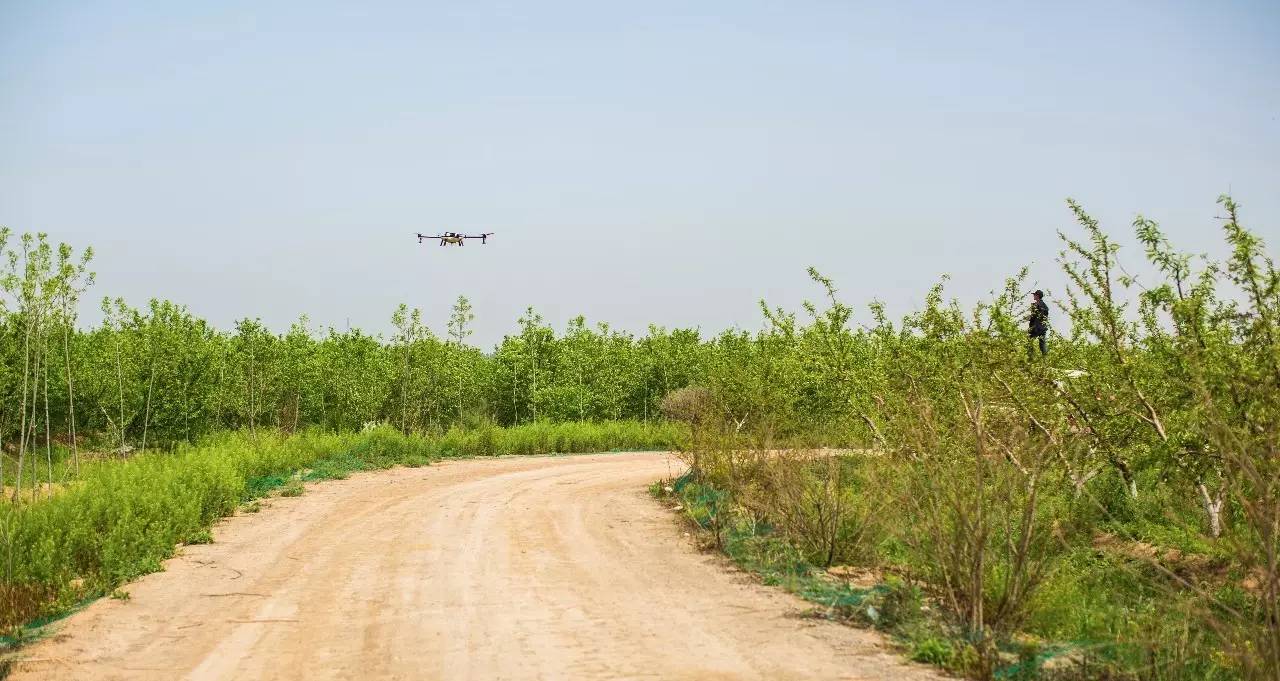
<point>511,568</point>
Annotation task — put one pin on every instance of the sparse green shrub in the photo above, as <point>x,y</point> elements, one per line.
<point>932,651</point>
<point>201,536</point>
<point>821,503</point>
<point>900,604</point>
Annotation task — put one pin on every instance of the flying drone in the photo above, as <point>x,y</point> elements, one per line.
<point>455,239</point>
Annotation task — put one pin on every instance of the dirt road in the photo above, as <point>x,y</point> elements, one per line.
<point>511,568</point>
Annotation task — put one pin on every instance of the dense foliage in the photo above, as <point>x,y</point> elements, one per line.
<point>159,376</point>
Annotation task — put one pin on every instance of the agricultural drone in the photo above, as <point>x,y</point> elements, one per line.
<point>454,238</point>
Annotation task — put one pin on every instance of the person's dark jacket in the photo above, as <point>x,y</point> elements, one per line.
<point>1039,318</point>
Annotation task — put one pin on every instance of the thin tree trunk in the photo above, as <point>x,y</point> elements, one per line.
<point>22,437</point>
<point>71,393</point>
<point>48,432</point>
<point>1079,480</point>
<point>976,622</point>
<point>404,390</point>
<point>35,406</point>
<point>221,391</point>
<point>533,381</point>
<point>146,415</point>
<point>1212,509</point>
<point>515,404</point>
<point>120,387</point>
<point>249,387</point>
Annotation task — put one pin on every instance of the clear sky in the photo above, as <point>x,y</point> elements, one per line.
<point>666,162</point>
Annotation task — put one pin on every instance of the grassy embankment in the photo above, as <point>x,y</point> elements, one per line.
<point>1111,588</point>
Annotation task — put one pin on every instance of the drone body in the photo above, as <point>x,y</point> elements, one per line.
<point>455,239</point>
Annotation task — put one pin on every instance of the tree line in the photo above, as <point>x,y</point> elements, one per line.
<point>1145,384</point>
<point>157,375</point>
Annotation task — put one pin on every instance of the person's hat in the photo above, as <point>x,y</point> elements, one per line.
<point>1039,293</point>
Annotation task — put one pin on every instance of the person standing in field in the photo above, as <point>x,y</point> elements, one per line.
<point>1039,321</point>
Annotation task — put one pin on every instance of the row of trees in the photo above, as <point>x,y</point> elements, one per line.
<point>158,375</point>
<point>1122,382</point>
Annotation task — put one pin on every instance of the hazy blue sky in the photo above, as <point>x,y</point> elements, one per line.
<point>667,162</point>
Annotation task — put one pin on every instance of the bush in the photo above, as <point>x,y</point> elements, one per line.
<point>821,504</point>
<point>692,405</point>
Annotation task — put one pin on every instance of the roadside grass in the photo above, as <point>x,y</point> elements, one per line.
<point>888,602</point>
<point>559,438</point>
<point>121,519</point>
<point>1095,617</point>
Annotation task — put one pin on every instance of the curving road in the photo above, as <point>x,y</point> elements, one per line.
<point>506,568</point>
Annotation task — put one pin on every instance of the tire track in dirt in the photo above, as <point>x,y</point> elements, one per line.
<point>504,568</point>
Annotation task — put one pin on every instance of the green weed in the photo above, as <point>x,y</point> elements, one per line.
<point>201,536</point>
<point>932,651</point>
